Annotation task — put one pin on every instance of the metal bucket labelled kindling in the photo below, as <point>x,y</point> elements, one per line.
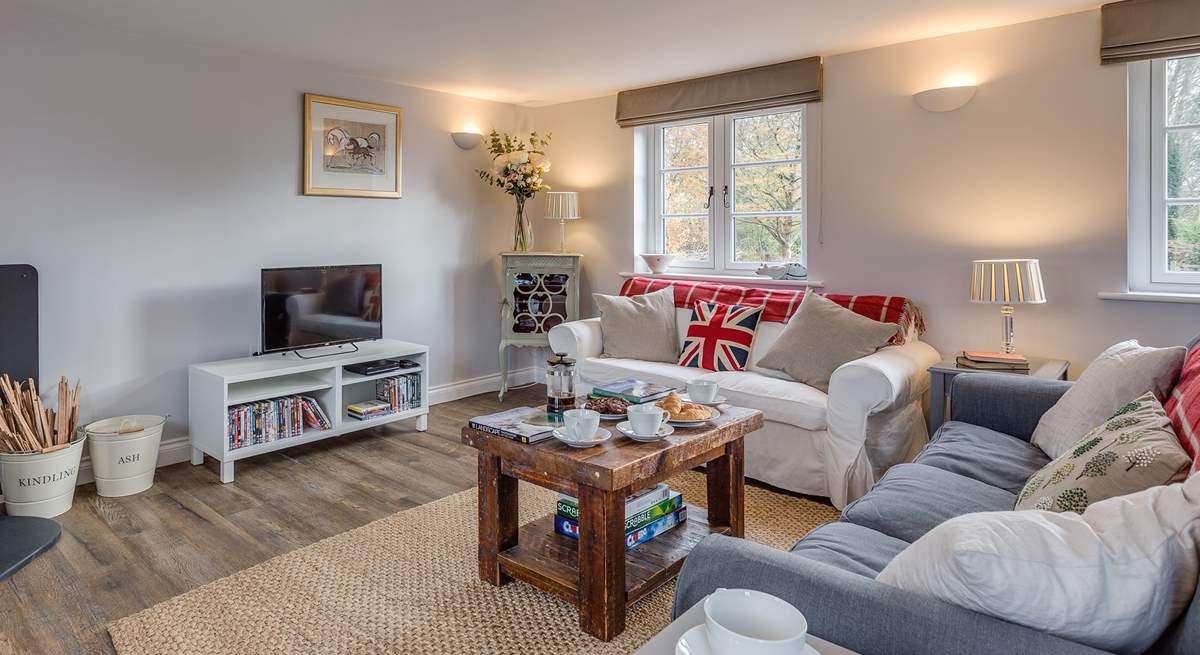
<point>124,453</point>
<point>40,484</point>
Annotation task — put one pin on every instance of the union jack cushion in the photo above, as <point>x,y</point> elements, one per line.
<point>1184,407</point>
<point>719,336</point>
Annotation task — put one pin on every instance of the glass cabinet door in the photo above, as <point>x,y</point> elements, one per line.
<point>539,301</point>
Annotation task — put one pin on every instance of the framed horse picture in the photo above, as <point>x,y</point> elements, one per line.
<point>351,148</point>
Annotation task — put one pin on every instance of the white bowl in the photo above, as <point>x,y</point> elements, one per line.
<point>658,263</point>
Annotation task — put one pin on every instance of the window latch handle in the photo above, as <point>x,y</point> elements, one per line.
<point>708,203</point>
<point>725,201</point>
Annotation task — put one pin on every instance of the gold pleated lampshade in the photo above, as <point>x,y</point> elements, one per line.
<point>1007,281</point>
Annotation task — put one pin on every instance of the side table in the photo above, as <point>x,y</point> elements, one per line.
<point>941,376</point>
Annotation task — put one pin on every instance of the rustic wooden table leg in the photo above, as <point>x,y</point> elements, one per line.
<point>727,489</point>
<point>601,562</point>
<point>497,517</point>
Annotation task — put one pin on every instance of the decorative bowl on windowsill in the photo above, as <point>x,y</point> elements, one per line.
<point>657,262</point>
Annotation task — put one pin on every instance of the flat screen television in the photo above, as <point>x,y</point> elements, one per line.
<point>312,306</point>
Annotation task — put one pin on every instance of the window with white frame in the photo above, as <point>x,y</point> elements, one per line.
<point>1164,175</point>
<point>729,191</point>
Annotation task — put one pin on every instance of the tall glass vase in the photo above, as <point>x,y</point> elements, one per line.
<point>522,229</point>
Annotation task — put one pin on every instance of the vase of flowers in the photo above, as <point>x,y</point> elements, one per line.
<point>518,168</point>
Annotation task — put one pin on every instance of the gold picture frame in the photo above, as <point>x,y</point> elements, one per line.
<point>356,149</point>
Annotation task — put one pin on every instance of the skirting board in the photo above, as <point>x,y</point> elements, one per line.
<point>179,449</point>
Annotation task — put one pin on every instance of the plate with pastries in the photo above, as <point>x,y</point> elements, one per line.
<point>611,409</point>
<point>684,414</point>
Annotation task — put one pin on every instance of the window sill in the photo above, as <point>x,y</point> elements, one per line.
<point>745,280</point>
<point>1151,296</point>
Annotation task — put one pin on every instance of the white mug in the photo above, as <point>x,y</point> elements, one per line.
<point>702,391</point>
<point>646,419</point>
<point>748,622</point>
<point>581,424</point>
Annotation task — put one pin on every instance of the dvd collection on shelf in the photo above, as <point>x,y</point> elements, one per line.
<point>264,421</point>
<point>394,394</point>
<point>648,513</point>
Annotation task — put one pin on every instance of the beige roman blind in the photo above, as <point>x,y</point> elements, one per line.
<point>1147,29</point>
<point>764,87</point>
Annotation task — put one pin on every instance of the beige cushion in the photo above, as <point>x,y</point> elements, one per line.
<point>639,327</point>
<point>1126,370</point>
<point>1134,449</point>
<point>821,336</point>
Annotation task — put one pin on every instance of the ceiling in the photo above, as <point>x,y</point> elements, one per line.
<point>538,52</point>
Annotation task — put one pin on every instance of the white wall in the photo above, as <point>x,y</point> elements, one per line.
<point>1034,166</point>
<point>149,181</point>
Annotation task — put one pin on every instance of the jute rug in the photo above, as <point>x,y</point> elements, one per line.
<point>409,583</point>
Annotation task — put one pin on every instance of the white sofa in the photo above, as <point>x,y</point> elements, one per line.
<point>836,444</point>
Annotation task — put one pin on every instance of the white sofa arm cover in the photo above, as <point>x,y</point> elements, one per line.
<point>874,404</point>
<point>578,339</point>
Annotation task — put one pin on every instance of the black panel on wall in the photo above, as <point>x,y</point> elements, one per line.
<point>19,321</point>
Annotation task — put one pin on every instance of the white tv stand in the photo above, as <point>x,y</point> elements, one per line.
<point>215,386</point>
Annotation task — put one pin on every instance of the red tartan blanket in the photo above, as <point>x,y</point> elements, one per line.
<point>782,303</point>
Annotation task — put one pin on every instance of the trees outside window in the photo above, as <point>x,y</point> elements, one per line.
<point>729,190</point>
<point>1164,175</point>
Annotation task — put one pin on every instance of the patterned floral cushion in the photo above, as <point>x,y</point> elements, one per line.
<point>1184,407</point>
<point>720,336</point>
<point>1133,450</point>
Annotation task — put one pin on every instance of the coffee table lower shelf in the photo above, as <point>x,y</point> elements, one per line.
<point>550,561</point>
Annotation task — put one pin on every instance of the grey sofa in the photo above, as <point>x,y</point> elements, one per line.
<point>976,462</point>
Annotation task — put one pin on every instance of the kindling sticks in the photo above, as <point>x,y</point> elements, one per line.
<point>26,426</point>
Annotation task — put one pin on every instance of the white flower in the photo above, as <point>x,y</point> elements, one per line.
<point>518,157</point>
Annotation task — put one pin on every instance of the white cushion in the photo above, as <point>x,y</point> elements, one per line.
<point>1113,578</point>
<point>599,370</point>
<point>1120,374</point>
<point>785,401</point>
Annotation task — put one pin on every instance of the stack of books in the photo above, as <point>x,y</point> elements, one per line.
<point>632,390</point>
<point>250,424</point>
<point>993,361</point>
<point>523,424</point>
<point>648,513</point>
<point>369,409</point>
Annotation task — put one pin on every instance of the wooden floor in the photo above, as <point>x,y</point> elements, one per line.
<point>120,555</point>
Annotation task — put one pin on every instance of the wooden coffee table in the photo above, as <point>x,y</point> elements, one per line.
<point>595,573</point>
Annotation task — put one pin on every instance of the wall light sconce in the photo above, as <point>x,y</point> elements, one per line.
<point>947,98</point>
<point>466,140</point>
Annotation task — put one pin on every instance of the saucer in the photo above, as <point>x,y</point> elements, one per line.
<point>626,429</point>
<point>695,642</point>
<point>600,437</point>
<point>719,400</point>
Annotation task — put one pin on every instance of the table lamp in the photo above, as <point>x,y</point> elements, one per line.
<point>563,206</point>
<point>1007,282</point>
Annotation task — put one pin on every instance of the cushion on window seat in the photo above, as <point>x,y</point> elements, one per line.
<point>912,499</point>
<point>982,454</point>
